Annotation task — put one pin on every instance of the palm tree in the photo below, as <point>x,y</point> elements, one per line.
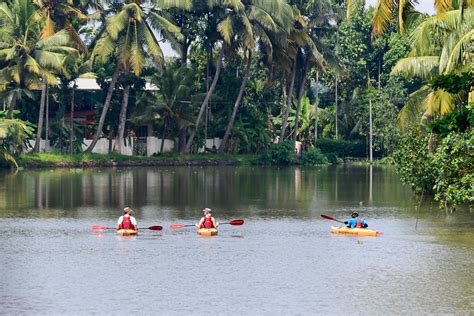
<point>127,38</point>
<point>63,14</point>
<point>238,14</point>
<point>172,104</point>
<point>301,47</point>
<point>257,22</point>
<point>385,10</point>
<point>30,61</point>
<point>428,58</point>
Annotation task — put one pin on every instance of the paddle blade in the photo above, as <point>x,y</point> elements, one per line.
<point>96,227</point>
<point>236,222</point>
<point>155,227</point>
<point>176,226</point>
<point>328,217</point>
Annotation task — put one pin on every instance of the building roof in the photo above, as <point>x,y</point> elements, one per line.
<point>90,84</point>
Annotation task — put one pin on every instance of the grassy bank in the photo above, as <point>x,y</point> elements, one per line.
<point>48,160</point>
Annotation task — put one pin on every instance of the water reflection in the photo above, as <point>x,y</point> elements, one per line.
<point>187,190</point>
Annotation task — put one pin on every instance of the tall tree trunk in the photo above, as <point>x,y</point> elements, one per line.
<point>163,135</point>
<point>122,119</point>
<point>236,105</point>
<point>336,122</point>
<point>39,131</point>
<point>288,102</point>
<point>71,133</point>
<point>300,97</point>
<point>184,52</point>
<point>12,105</point>
<point>46,130</point>
<point>182,139</point>
<point>105,109</point>
<point>316,110</point>
<point>187,148</point>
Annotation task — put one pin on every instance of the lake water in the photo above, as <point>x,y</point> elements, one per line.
<point>282,261</point>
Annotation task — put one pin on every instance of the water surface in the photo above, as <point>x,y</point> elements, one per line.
<point>283,260</point>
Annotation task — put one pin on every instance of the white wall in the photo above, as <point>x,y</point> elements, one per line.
<point>152,146</point>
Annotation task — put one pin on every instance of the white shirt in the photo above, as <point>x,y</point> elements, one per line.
<point>132,220</point>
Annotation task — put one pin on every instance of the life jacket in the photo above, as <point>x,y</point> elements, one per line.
<point>126,222</point>
<point>358,223</point>
<point>207,223</point>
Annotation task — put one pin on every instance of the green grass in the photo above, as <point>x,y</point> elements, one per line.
<point>39,160</point>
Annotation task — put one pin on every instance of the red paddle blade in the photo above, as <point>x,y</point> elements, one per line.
<point>175,226</point>
<point>237,222</point>
<point>155,227</point>
<point>328,217</point>
<point>96,227</point>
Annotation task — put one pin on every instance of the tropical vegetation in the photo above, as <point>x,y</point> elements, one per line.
<point>327,79</point>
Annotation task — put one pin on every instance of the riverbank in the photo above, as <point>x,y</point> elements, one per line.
<point>57,160</point>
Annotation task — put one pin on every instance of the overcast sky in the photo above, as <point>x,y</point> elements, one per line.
<point>423,5</point>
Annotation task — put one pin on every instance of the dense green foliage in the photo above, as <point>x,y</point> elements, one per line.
<point>258,75</point>
<point>342,148</point>
<point>313,157</point>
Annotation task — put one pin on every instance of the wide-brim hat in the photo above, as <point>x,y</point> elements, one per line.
<point>128,210</point>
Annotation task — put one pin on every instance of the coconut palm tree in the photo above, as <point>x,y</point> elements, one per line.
<point>127,39</point>
<point>301,49</point>
<point>236,25</point>
<point>385,10</point>
<point>30,61</point>
<point>439,46</point>
<point>257,22</point>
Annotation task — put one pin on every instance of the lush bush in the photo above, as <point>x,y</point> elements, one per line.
<point>342,148</point>
<point>313,157</point>
<point>413,162</point>
<point>279,154</point>
<point>454,161</point>
<point>333,159</point>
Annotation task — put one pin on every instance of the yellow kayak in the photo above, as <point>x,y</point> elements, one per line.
<point>354,231</point>
<point>127,232</point>
<point>207,231</point>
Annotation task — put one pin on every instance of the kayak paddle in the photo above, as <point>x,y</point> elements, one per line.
<point>100,228</point>
<point>331,218</point>
<point>232,222</point>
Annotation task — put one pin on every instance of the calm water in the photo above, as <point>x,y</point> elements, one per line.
<point>282,261</point>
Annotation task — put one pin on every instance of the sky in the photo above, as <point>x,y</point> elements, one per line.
<point>423,6</point>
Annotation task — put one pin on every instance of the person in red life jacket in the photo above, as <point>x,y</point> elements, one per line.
<point>127,221</point>
<point>356,221</point>
<point>207,221</point>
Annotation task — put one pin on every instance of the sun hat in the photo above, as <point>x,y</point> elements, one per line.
<point>128,210</point>
<point>207,210</point>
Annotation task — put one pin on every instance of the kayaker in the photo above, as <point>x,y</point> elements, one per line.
<point>356,221</point>
<point>127,221</point>
<point>207,221</point>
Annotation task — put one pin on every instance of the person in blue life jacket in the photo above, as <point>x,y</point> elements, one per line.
<point>355,221</point>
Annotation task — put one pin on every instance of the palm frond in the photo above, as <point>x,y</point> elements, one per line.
<point>225,29</point>
<point>424,67</point>
<point>382,15</point>
<point>174,4</point>
<point>462,54</point>
<point>439,102</point>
